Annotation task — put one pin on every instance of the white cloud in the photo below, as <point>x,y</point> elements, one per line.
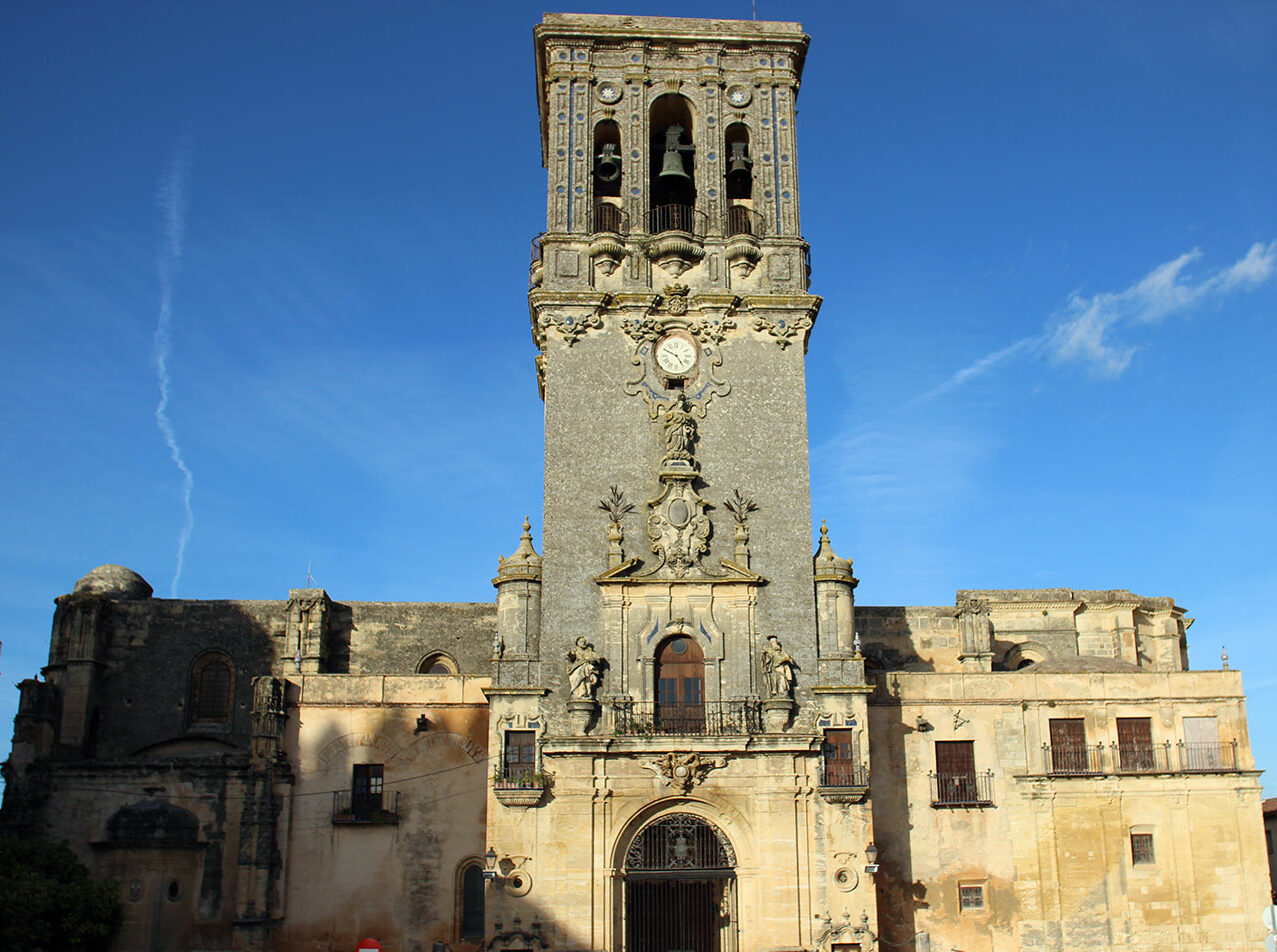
<point>1085,329</point>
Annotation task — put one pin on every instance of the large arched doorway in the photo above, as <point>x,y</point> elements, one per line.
<point>680,686</point>
<point>680,888</point>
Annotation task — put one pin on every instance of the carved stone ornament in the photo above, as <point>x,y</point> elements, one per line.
<point>683,771</point>
<point>783,329</point>
<point>676,298</point>
<point>678,528</point>
<point>698,392</point>
<point>570,328</point>
<point>715,329</point>
<point>585,670</point>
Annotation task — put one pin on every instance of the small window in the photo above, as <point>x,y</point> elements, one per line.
<point>366,787</point>
<point>437,663</point>
<point>212,679</point>
<point>1142,849</point>
<point>970,897</point>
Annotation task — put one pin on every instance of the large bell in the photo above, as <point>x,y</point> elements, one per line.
<point>672,168</point>
<point>607,165</point>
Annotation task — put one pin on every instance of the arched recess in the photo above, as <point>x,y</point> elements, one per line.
<point>212,687</point>
<point>437,662</point>
<point>679,886</point>
<point>738,168</point>
<point>672,189</point>
<point>470,900</point>
<point>1024,655</point>
<point>680,686</point>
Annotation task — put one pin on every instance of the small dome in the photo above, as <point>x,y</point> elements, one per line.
<point>115,581</point>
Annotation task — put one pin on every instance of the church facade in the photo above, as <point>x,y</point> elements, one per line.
<point>674,728</point>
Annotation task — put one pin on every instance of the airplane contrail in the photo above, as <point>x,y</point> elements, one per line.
<point>170,196</point>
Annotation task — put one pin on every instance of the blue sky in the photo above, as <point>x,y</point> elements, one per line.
<point>1044,233</point>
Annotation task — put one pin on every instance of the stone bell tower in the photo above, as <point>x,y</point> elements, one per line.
<point>677,597</point>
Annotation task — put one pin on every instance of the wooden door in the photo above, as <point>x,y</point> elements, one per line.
<point>680,686</point>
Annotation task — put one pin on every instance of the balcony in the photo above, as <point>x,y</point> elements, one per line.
<point>843,782</point>
<point>515,787</point>
<point>646,718</point>
<point>962,790</point>
<point>372,809</point>
<point>1095,760</point>
<point>536,269</point>
<point>677,237</point>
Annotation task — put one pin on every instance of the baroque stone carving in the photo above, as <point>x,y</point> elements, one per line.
<point>740,506</point>
<point>617,508</point>
<point>778,669</point>
<point>570,328</point>
<point>585,670</point>
<point>683,771</point>
<point>676,298</point>
<point>782,329</point>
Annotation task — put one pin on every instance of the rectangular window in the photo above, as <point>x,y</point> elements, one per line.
<point>971,897</point>
<point>520,754</point>
<point>366,786</point>
<point>955,772</point>
<point>1142,848</point>
<point>1068,746</point>
<point>1135,744</point>
<point>841,759</point>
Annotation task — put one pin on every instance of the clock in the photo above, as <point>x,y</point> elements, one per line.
<point>609,92</point>
<point>676,355</point>
<point>738,96</point>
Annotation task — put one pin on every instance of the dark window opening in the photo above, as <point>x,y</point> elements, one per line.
<point>673,182</point>
<point>607,165</point>
<point>970,897</point>
<point>366,788</point>
<point>437,663</point>
<point>472,902</point>
<point>739,167</point>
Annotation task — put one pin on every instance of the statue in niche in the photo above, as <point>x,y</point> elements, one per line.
<point>778,669</point>
<point>679,431</point>
<point>585,670</point>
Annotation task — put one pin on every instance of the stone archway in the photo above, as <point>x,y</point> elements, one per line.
<point>679,890</point>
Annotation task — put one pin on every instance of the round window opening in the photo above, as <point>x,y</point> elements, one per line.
<point>679,646</point>
<point>174,891</point>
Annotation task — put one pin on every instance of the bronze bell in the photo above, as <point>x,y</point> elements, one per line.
<point>672,166</point>
<point>738,163</point>
<point>607,166</point>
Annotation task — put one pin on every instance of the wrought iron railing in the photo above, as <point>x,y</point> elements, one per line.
<point>1208,758</point>
<point>840,773</point>
<point>608,217</point>
<point>375,808</point>
<point>536,250</point>
<point>1077,760</point>
<point>962,789</point>
<point>510,777</point>
<point>743,220</point>
<point>710,718</point>
<point>1073,760</point>
<point>676,218</point>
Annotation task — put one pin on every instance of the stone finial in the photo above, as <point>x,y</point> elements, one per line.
<point>524,563</point>
<point>826,564</point>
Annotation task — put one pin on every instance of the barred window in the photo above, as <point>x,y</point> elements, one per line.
<point>1142,849</point>
<point>971,897</point>
<point>212,678</point>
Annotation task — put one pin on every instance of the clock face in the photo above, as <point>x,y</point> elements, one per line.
<point>609,92</point>
<point>738,95</point>
<point>675,355</point>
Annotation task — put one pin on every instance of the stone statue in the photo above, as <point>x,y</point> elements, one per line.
<point>778,669</point>
<point>585,670</point>
<point>680,431</point>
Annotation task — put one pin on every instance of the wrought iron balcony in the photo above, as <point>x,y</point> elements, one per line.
<point>1094,760</point>
<point>639,718</point>
<point>743,220</point>
<point>517,786</point>
<point>610,218</point>
<point>841,773</point>
<point>1073,760</point>
<point>682,218</point>
<point>374,809</point>
<point>962,790</point>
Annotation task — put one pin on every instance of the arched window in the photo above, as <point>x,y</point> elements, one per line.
<point>212,681</point>
<point>607,177</point>
<point>680,686</point>
<point>437,663</point>
<point>673,184</point>
<point>471,901</point>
